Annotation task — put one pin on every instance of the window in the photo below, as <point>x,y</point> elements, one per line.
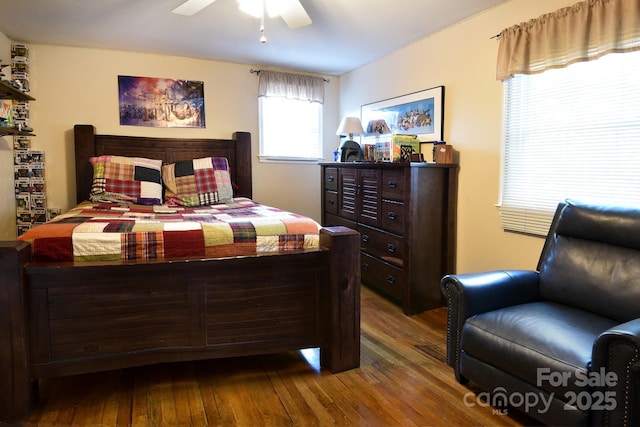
<point>290,114</point>
<point>290,129</point>
<point>570,133</point>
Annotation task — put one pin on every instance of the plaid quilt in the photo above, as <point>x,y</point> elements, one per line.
<point>111,232</point>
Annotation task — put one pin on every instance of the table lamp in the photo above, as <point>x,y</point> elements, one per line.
<point>350,151</point>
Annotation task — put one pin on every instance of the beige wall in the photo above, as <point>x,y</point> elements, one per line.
<point>74,85</point>
<point>462,58</point>
<point>78,85</point>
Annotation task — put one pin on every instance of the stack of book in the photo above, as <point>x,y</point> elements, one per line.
<point>396,148</point>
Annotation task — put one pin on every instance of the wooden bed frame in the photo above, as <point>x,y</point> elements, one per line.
<point>66,319</point>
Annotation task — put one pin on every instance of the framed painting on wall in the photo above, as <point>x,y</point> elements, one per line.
<point>419,113</point>
<point>157,102</point>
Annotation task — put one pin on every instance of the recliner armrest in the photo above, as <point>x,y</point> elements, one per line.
<point>481,292</point>
<point>617,350</point>
<point>474,293</point>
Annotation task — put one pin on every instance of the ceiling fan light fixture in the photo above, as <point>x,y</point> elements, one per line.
<point>251,7</point>
<point>273,7</point>
<point>291,11</point>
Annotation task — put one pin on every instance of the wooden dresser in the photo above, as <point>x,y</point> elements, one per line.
<point>406,216</point>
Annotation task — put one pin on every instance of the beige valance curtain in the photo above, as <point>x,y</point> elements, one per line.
<point>291,86</point>
<point>582,32</point>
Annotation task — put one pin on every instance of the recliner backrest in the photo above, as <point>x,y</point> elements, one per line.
<point>591,260</point>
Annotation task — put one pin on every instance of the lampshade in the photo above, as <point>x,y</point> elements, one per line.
<point>351,126</point>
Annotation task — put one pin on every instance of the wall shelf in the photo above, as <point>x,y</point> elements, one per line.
<point>9,92</point>
<point>4,131</point>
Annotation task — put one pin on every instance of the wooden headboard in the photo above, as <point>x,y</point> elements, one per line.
<point>87,144</point>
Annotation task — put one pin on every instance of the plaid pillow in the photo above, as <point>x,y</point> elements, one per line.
<point>126,180</point>
<point>198,182</point>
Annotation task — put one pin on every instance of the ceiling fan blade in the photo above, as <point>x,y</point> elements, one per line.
<point>294,15</point>
<point>191,7</point>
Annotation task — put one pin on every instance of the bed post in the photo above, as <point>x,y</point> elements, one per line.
<point>83,136</point>
<point>243,163</point>
<point>341,300</point>
<point>16,393</point>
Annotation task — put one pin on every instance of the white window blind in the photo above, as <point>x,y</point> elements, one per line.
<point>571,133</point>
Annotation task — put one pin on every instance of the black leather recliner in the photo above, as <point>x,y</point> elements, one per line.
<point>561,343</point>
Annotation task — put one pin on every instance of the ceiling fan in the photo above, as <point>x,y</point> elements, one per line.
<point>291,11</point>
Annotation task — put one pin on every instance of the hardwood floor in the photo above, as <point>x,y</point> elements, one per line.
<point>403,380</point>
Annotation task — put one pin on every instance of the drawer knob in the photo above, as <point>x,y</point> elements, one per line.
<point>331,178</point>
<point>391,248</point>
<point>392,216</point>
<point>391,280</point>
<point>393,184</point>
<point>332,202</point>
<point>365,238</point>
<point>365,266</point>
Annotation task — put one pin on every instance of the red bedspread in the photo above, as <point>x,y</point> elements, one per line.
<point>110,232</point>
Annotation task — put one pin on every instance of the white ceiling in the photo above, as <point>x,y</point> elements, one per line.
<point>344,35</point>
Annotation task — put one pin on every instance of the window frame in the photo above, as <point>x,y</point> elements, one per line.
<point>266,155</point>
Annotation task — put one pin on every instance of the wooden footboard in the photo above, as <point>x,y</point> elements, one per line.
<point>58,320</point>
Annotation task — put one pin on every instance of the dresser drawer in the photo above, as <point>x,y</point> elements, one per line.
<point>331,202</point>
<point>393,216</point>
<point>331,179</point>
<point>382,276</point>
<point>393,185</point>
<point>386,246</point>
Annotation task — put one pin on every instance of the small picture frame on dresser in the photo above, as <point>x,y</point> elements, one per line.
<point>443,153</point>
